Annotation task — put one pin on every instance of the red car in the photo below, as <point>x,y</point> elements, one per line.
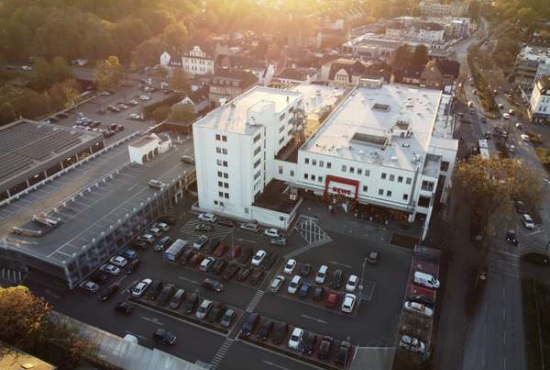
<point>220,250</point>
<point>332,300</point>
<point>196,259</point>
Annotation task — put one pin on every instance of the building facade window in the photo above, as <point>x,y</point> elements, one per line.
<point>388,193</point>
<point>306,176</point>
<point>409,181</point>
<point>405,196</point>
<point>400,179</point>
<point>329,165</point>
<point>367,173</point>
<point>383,176</point>
<point>365,188</point>
<point>427,185</point>
<point>392,177</point>
<point>344,168</point>
<point>380,191</point>
<point>444,166</point>
<point>306,160</point>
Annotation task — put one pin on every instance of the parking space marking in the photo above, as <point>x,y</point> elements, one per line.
<point>306,248</point>
<point>368,290</point>
<point>188,280</point>
<point>153,320</point>
<point>279,354</point>
<point>341,264</point>
<point>320,321</point>
<point>127,289</point>
<point>255,301</point>
<point>269,363</point>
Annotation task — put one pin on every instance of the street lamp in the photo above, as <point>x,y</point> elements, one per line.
<point>362,285</point>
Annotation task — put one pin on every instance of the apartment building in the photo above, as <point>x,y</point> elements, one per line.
<point>539,107</point>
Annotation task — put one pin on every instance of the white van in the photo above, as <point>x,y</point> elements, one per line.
<point>427,280</point>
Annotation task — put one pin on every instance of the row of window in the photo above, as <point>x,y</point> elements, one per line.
<point>223,184</point>
<point>222,163</point>
<point>220,150</point>
<point>221,138</point>
<point>223,175</point>
<point>384,176</point>
<point>221,194</point>
<point>313,177</point>
<point>221,204</point>
<point>314,163</point>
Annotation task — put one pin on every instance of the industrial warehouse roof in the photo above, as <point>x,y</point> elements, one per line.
<point>390,125</point>
<point>233,116</point>
<point>28,145</point>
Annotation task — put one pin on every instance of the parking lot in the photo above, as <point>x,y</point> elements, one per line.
<point>372,323</point>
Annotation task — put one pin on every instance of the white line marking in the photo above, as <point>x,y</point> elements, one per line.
<point>340,264</point>
<point>154,320</point>
<point>275,365</point>
<point>188,280</point>
<point>314,319</point>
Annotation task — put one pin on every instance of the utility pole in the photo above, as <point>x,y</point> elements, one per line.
<point>362,286</point>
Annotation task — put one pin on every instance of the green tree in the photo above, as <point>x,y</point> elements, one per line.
<point>474,10</point>
<point>108,73</point>
<point>179,80</point>
<point>182,113</point>
<point>420,56</point>
<point>402,56</point>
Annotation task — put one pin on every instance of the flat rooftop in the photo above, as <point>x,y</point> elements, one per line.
<point>274,198</point>
<point>390,125</point>
<point>25,145</point>
<point>86,214</point>
<point>233,116</point>
<point>12,358</point>
<point>317,97</point>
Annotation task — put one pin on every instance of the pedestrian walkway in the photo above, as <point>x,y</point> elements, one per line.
<point>189,234</point>
<point>220,355</point>
<point>311,231</point>
<point>255,301</point>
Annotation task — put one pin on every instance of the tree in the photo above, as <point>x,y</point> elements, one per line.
<point>420,56</point>
<point>402,56</point>
<point>179,80</point>
<point>108,73</point>
<point>474,10</point>
<point>182,113</point>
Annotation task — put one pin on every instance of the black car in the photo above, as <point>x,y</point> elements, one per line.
<point>278,334</point>
<point>308,343</point>
<point>212,285</point>
<point>420,298</point>
<point>228,317</point>
<point>191,303</point>
<point>325,347</point>
<point>186,256</point>
<point>318,293</point>
<point>521,208</point>
<point>269,261</point>
<point>219,266</point>
<point>246,255</point>
<point>133,265</point>
<point>177,298</point>
<point>244,273</point>
<point>336,280</point>
<point>305,269</point>
<point>265,329</point>
<point>99,278</point>
<point>211,246</point>
<point>154,290</point>
<point>141,245</point>
<point>342,353</point>
<point>511,237</point>
<point>108,292</point>
<point>166,294</point>
<point>257,276</point>
<point>250,324</point>
<point>167,219</point>
<point>230,270</point>
<point>162,243</point>
<point>124,307</point>
<point>215,313</point>
<point>164,336</point>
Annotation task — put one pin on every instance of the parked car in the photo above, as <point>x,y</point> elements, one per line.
<point>177,298</point>
<point>212,285</point>
<point>281,240</point>
<point>276,283</point>
<point>196,260</point>
<point>113,270</point>
<point>422,299</point>
<point>221,250</point>
<point>325,347</point>
<point>133,266</point>
<point>164,336</point>
<point>203,309</point>
<point>511,237</point>
<point>321,274</point>
<point>206,264</point>
<point>295,339</point>
<point>265,330</point>
<point>230,270</point>
<point>343,353</point>
<point>244,273</point>
<point>412,344</point>
<point>527,221</point>
<point>304,289</point>
<point>162,243</point>
<point>525,137</point>
<point>294,284</point>
<point>309,340</point>
<point>227,318</point>
<point>349,303</point>
<point>187,255</point>
<point>332,300</point>
<point>305,269</point>
<point>290,266</point>
<point>188,159</point>
<point>351,285</point>
<point>215,313</point>
<point>99,278</point>
<point>250,226</point>
<point>190,303</point>
<point>154,290</point>
<point>147,238</point>
<point>418,308</point>
<point>124,307</point>
<point>272,233</point>
<point>166,294</point>
<point>204,227</point>
<point>373,257</point>
<point>250,324</point>
<point>108,292</point>
<point>257,276</point>
<point>318,293</point>
<point>129,253</point>
<point>226,222</point>
<point>119,261</point>
<point>336,280</point>
<point>258,257</point>
<point>89,286</point>
<point>278,334</point>
<point>219,266</point>
<point>207,217</point>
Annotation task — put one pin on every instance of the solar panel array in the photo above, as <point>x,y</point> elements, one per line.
<point>26,143</point>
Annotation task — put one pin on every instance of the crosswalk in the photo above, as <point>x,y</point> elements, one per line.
<point>220,355</point>
<point>189,233</point>
<point>255,301</point>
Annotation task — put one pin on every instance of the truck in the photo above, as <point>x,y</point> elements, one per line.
<point>175,250</point>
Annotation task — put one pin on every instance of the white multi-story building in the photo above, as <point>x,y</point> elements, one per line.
<point>435,8</point>
<point>532,63</point>
<point>539,107</point>
<point>387,146</point>
<point>198,61</point>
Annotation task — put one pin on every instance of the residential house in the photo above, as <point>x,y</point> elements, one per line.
<point>348,71</point>
<point>262,69</point>
<point>439,73</point>
<point>296,75</point>
<point>197,101</point>
<point>199,59</point>
<point>228,83</point>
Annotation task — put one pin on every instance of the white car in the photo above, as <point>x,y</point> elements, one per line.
<point>206,264</point>
<point>119,261</point>
<point>418,308</point>
<point>113,270</point>
<point>276,283</point>
<point>348,303</point>
<point>527,221</point>
<point>272,233</point>
<point>412,344</point>
<point>201,242</point>
<point>141,287</point>
<point>148,238</point>
<point>258,258</point>
<point>321,274</point>
<point>505,116</point>
<point>162,226</point>
<point>295,339</point>
<point>294,284</point>
<point>26,68</point>
<point>290,266</point>
<point>89,286</point>
<point>250,226</point>
<point>155,231</point>
<point>145,97</point>
<point>203,309</point>
<point>207,217</point>
<point>351,285</point>
<point>525,137</point>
